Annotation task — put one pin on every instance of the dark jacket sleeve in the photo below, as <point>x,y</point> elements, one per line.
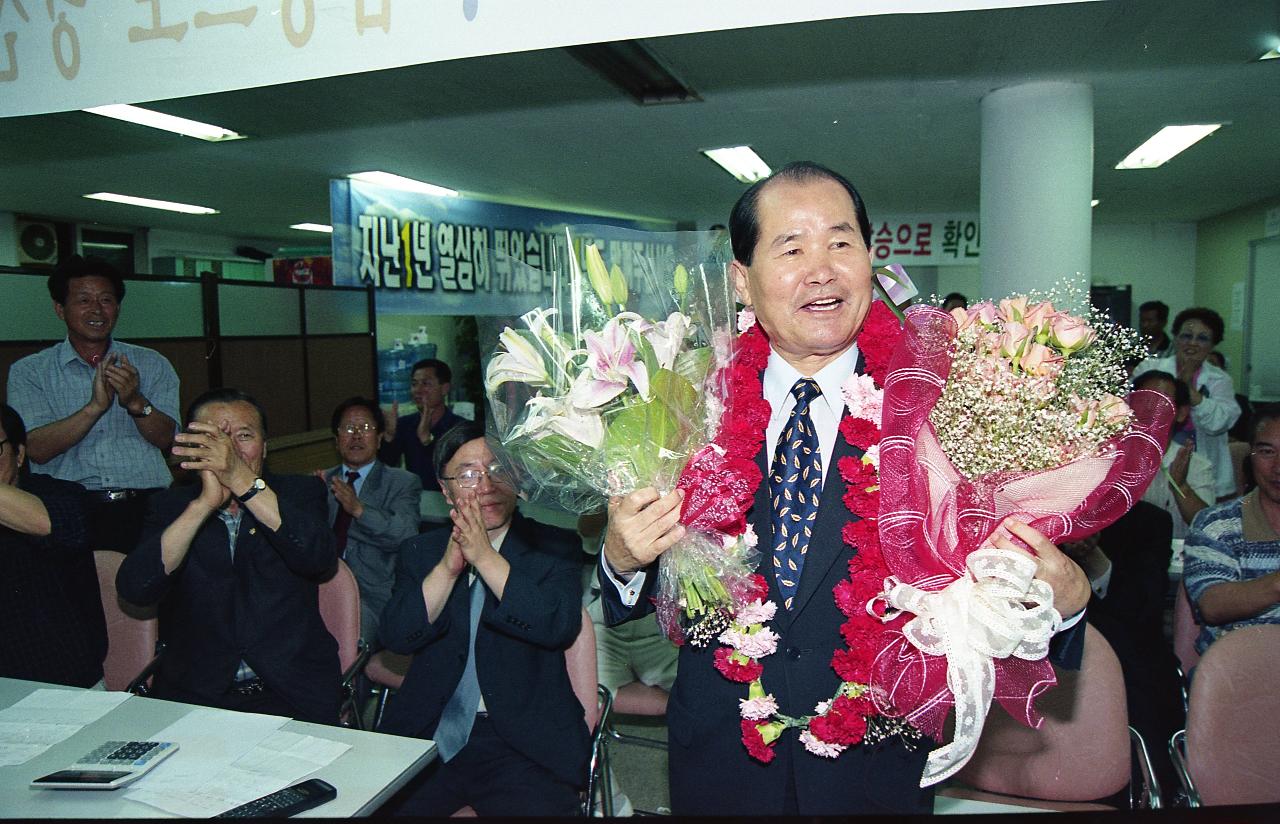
<point>404,627</point>
<point>64,502</point>
<point>141,579</point>
<point>542,600</point>
<point>390,452</point>
<point>304,540</point>
<point>615,612</point>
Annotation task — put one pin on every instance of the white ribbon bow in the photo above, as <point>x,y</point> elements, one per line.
<point>999,609</point>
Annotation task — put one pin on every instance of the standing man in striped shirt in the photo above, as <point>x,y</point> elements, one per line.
<point>101,412</point>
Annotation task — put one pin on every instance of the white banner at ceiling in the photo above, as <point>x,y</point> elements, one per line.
<point>61,55</point>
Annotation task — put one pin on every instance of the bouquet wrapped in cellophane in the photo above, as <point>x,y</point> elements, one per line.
<point>1004,409</point>
<point>618,383</point>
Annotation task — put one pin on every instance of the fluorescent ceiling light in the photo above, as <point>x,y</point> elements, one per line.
<point>740,161</point>
<point>1272,54</point>
<point>313,227</point>
<point>1094,202</point>
<point>167,122</point>
<point>167,205</point>
<point>407,183</point>
<point>1166,143</point>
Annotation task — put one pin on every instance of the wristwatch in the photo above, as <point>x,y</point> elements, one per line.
<point>258,486</point>
<point>146,410</point>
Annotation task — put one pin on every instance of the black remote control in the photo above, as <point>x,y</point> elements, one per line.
<point>283,803</point>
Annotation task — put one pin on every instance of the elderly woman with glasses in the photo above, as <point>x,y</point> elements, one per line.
<point>1214,409</point>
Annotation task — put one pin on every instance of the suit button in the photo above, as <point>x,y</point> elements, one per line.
<point>793,653</point>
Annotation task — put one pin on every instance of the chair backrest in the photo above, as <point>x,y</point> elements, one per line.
<point>1081,751</point>
<point>132,631</point>
<point>340,609</point>
<point>1185,630</point>
<point>580,660</point>
<point>1233,719</point>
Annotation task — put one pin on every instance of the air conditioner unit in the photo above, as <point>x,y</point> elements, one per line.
<point>37,243</point>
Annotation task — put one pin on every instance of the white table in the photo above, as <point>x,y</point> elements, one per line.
<point>365,776</point>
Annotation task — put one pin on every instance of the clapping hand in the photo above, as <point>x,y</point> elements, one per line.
<point>103,392</point>
<point>389,433</point>
<point>123,378</point>
<point>469,533</point>
<point>1181,463</point>
<point>206,448</point>
<point>345,494</point>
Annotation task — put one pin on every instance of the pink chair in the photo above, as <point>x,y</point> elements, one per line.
<point>340,610</point>
<point>132,631</point>
<point>1083,751</point>
<point>386,670</point>
<point>1185,630</point>
<point>1228,752</point>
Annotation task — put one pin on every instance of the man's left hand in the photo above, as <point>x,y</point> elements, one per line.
<point>123,378</point>
<point>345,494</point>
<point>1064,576</point>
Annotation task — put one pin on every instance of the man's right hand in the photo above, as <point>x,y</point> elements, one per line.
<point>102,396</point>
<point>389,432</point>
<point>642,526</point>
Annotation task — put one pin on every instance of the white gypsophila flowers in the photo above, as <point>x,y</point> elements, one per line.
<point>992,417</point>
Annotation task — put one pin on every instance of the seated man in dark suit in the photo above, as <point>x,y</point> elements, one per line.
<point>235,562</point>
<point>496,700</point>
<point>50,608</point>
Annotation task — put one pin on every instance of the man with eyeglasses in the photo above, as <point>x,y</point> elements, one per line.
<point>487,607</point>
<point>373,507</point>
<point>51,611</point>
<point>1232,566</point>
<point>1214,408</point>
<point>235,562</point>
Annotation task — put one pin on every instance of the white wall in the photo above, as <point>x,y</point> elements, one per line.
<point>1157,259</point>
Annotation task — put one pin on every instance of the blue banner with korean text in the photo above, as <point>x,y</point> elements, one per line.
<point>431,255</point>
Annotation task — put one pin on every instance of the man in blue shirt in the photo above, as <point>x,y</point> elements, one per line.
<point>101,412</point>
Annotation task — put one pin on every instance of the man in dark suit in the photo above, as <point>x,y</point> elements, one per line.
<point>510,732</point>
<point>801,260</point>
<point>235,562</point>
<point>373,507</point>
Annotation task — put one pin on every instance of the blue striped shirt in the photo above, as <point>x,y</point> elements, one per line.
<point>1229,543</point>
<point>55,383</point>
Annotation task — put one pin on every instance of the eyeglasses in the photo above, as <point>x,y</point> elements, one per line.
<point>1187,337</point>
<point>470,478</point>
<point>1264,453</point>
<point>359,430</point>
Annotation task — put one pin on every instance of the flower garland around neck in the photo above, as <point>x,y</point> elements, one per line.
<point>850,717</point>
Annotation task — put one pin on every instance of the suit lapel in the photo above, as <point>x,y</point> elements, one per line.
<point>827,545</point>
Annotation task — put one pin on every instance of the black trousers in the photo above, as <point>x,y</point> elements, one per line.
<point>489,776</point>
<point>116,525</point>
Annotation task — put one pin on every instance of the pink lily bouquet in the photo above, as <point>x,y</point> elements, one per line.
<point>617,384</point>
<point>1009,408</point>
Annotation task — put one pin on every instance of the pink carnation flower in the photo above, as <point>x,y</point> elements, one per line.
<point>862,398</point>
<point>758,709</point>
<point>819,747</point>
<point>821,707</point>
<point>756,612</point>
<point>746,319</point>
<point>751,644</point>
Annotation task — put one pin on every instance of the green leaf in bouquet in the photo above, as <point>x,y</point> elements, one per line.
<point>679,396</point>
<point>693,365</point>
<point>553,453</point>
<point>647,355</point>
<point>638,436</point>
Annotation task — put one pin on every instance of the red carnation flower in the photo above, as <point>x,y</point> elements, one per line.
<point>854,664</point>
<point>735,671</point>
<point>860,432</point>
<point>754,742</point>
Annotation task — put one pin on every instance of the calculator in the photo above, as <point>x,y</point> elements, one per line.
<point>109,767</point>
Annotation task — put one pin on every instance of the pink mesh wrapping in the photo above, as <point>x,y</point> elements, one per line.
<point>931,517</point>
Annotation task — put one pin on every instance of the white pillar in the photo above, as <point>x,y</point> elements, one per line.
<point>1037,182</point>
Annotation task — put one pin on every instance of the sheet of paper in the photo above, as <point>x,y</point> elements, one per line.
<point>48,716</point>
<point>226,760</point>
